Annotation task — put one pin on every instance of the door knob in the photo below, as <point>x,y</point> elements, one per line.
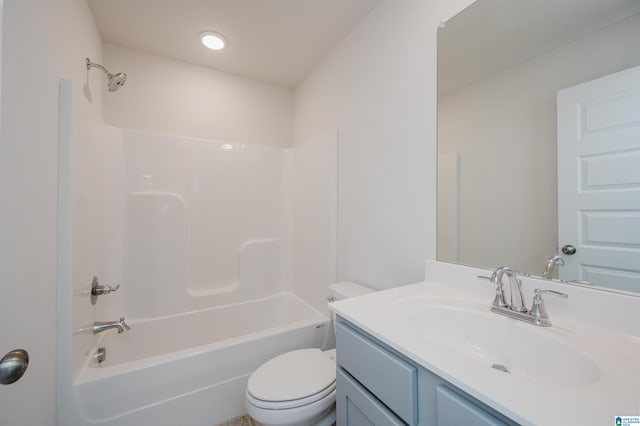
<point>568,249</point>
<point>13,365</point>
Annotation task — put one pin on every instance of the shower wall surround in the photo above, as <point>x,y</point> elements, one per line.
<point>203,222</point>
<point>187,224</point>
<point>97,231</point>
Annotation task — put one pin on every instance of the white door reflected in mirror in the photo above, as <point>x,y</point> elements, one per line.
<point>599,180</point>
<point>501,65</point>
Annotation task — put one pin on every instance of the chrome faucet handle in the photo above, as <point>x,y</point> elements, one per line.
<point>538,311</point>
<point>540,292</point>
<point>104,289</point>
<point>98,289</point>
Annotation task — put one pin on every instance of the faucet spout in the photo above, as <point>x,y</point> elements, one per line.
<point>515,288</point>
<point>551,265</point>
<point>121,326</point>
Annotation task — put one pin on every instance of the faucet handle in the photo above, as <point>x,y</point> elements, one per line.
<point>538,310</point>
<point>539,292</point>
<point>110,289</point>
<point>98,289</point>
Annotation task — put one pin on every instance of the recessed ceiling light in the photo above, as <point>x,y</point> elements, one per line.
<point>213,41</point>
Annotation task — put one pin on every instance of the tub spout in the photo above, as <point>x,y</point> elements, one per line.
<point>121,326</point>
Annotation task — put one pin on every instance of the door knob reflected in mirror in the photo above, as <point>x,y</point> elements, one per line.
<point>568,249</point>
<point>13,365</point>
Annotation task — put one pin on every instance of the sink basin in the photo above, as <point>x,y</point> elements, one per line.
<point>509,346</point>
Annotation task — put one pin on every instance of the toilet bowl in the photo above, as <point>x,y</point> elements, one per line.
<point>298,388</point>
<point>295,388</point>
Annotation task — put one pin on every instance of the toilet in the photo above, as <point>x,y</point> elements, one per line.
<point>298,388</point>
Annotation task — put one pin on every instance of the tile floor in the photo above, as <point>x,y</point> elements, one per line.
<point>240,421</point>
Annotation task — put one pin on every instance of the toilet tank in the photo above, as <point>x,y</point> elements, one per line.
<point>346,289</point>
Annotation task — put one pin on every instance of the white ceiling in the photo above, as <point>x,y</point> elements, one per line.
<point>277,41</point>
<point>492,35</point>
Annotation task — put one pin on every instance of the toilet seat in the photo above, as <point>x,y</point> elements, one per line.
<point>320,412</point>
<point>293,379</point>
<point>284,405</point>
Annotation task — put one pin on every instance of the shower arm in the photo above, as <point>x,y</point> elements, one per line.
<point>93,64</point>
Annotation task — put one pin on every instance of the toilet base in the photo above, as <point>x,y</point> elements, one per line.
<point>271,418</point>
<point>329,419</point>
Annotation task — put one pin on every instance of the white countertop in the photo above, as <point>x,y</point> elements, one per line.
<point>613,391</point>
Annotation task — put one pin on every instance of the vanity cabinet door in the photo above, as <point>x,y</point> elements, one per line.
<point>355,406</point>
<point>454,409</point>
<point>391,379</point>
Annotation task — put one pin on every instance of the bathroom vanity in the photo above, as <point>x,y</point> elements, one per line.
<point>433,353</point>
<point>377,385</point>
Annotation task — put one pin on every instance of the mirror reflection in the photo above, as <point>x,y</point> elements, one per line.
<point>539,139</point>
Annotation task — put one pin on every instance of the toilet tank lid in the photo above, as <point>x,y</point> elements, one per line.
<point>346,289</point>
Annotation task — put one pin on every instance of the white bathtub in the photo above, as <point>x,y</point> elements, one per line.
<point>191,369</point>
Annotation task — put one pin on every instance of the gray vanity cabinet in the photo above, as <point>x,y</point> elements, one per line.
<point>378,386</point>
<point>357,406</point>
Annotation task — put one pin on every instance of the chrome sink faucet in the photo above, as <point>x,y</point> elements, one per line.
<point>121,326</point>
<point>537,315</point>
<point>515,288</point>
<point>551,265</point>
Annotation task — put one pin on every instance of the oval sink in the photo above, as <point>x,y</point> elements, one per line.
<point>507,345</point>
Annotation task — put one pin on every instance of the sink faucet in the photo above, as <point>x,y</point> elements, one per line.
<point>551,264</point>
<point>515,288</point>
<point>121,326</point>
<point>537,315</point>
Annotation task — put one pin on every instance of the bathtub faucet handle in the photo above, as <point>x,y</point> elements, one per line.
<point>98,289</point>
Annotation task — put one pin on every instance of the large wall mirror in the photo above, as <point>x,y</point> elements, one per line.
<point>539,139</point>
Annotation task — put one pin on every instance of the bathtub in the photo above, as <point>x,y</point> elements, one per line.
<point>191,369</point>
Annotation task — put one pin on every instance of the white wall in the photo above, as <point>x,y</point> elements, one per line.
<point>166,96</point>
<point>504,128</point>
<point>43,41</point>
<point>313,178</point>
<point>378,89</point>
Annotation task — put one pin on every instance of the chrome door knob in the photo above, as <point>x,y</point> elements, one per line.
<point>13,365</point>
<point>568,249</point>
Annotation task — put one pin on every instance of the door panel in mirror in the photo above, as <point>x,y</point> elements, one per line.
<point>500,66</point>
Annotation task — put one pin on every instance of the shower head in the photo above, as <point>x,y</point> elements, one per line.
<point>114,81</point>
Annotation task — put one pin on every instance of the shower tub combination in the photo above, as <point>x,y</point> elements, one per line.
<point>201,250</point>
<point>192,368</point>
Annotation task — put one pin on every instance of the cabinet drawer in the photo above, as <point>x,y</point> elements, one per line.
<point>357,407</point>
<point>391,379</point>
<point>454,409</point>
